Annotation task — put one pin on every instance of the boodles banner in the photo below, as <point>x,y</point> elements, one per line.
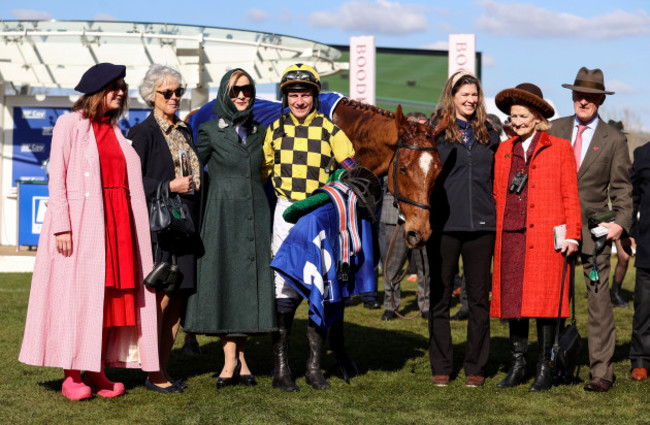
<point>462,53</point>
<point>362,69</point>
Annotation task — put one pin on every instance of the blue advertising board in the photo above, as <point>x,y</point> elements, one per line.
<point>32,138</point>
<point>32,204</point>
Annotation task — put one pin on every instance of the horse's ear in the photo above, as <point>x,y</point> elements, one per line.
<point>400,120</point>
<point>399,115</point>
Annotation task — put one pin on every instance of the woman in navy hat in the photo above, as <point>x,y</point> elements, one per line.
<point>535,190</point>
<point>88,307</point>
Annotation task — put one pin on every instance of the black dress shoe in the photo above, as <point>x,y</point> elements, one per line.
<point>388,315</point>
<point>372,305</point>
<point>247,380</point>
<point>172,389</point>
<point>232,381</point>
<point>598,385</point>
<point>460,315</point>
<point>179,383</point>
<point>227,382</point>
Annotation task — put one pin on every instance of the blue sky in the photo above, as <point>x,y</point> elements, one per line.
<point>543,42</point>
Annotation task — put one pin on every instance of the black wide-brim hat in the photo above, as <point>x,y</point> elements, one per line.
<point>98,76</point>
<point>526,94</point>
<point>589,81</point>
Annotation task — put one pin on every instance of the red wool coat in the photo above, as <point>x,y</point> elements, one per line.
<point>552,200</point>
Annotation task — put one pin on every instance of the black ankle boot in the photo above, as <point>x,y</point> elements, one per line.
<point>281,373</point>
<point>313,374</point>
<point>545,334</point>
<point>344,364</point>
<point>519,347</point>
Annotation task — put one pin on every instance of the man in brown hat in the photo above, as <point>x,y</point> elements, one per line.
<point>603,162</point>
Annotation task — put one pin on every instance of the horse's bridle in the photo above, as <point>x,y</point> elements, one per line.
<point>395,161</point>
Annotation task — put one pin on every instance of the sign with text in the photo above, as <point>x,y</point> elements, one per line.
<point>32,138</point>
<point>32,204</point>
<point>462,53</point>
<point>362,69</point>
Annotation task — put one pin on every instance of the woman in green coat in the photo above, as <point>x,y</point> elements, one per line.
<point>234,296</point>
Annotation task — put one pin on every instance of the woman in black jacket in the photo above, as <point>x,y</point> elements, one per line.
<point>463,223</point>
<point>164,144</point>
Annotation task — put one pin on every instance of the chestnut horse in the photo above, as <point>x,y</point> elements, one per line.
<point>387,142</point>
<point>380,138</point>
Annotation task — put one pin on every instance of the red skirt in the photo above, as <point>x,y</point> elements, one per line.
<point>121,261</point>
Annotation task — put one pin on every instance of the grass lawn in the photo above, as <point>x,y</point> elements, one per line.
<point>393,388</point>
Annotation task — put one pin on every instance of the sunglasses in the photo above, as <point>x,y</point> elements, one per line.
<point>119,86</point>
<point>247,89</point>
<point>167,94</point>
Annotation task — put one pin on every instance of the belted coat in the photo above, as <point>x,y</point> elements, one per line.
<point>235,289</point>
<point>64,317</point>
<point>552,200</point>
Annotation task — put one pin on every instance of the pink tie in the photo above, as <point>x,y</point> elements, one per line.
<point>577,146</point>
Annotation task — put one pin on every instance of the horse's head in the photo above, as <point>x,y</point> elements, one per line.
<point>412,174</point>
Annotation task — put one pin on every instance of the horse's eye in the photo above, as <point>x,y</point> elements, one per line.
<point>402,168</point>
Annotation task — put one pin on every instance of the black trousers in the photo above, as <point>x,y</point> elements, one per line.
<point>640,345</point>
<point>476,249</point>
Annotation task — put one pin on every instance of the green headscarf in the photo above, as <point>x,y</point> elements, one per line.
<point>226,109</point>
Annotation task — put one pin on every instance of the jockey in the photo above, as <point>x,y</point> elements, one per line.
<point>301,149</point>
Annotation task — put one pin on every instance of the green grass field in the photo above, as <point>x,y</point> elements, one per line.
<point>393,388</point>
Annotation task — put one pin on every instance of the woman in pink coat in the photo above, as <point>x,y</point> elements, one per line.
<point>88,307</point>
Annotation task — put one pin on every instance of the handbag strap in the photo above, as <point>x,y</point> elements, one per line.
<point>559,309</point>
<point>157,250</point>
<point>572,288</point>
<point>155,253</point>
<point>162,190</point>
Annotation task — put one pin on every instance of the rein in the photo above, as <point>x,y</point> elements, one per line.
<point>395,161</point>
<point>397,199</point>
<point>400,277</point>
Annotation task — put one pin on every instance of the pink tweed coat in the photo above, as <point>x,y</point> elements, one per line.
<point>66,303</point>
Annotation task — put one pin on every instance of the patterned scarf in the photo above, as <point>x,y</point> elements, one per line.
<point>177,142</point>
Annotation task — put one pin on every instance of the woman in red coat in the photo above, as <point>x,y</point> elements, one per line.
<point>535,189</point>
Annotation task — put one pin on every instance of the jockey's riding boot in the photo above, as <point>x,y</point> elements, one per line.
<point>281,373</point>
<point>313,374</point>
<point>344,364</point>
<point>545,333</point>
<point>615,295</point>
<point>519,347</point>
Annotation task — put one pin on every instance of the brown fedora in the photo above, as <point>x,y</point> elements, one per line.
<point>589,81</point>
<point>526,94</point>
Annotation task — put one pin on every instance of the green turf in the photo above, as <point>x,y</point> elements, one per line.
<point>393,388</point>
<point>414,81</point>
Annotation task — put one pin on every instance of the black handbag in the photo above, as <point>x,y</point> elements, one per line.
<point>164,276</point>
<point>169,214</point>
<point>568,342</point>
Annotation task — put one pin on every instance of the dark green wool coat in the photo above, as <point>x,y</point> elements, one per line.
<point>235,290</point>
